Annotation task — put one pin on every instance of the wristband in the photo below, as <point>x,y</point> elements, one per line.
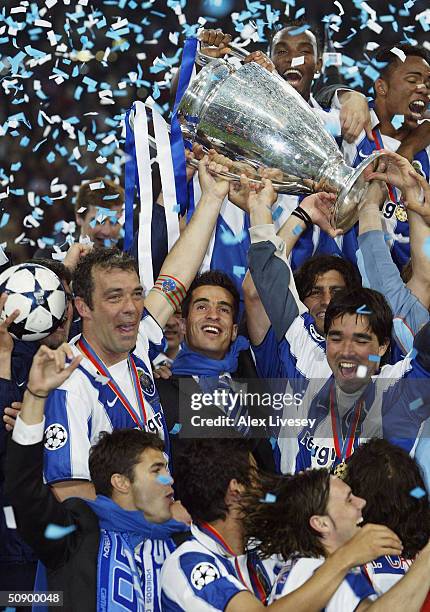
<point>35,394</point>
<point>300,213</point>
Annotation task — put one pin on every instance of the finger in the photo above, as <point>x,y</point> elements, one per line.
<point>368,130</point>
<point>11,412</point>
<point>16,405</point>
<point>377,176</point>
<point>10,319</point>
<point>156,374</point>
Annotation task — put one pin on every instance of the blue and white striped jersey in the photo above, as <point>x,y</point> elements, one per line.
<point>385,572</point>
<point>354,589</point>
<point>84,406</point>
<point>202,575</point>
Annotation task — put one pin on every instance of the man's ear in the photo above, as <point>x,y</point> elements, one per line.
<point>383,348</point>
<point>82,308</point>
<point>318,66</point>
<point>120,483</point>
<point>380,87</point>
<point>320,523</point>
<point>234,332</point>
<point>79,220</point>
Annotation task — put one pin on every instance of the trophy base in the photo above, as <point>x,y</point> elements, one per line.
<point>346,208</point>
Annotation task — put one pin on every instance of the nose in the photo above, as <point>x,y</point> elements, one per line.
<point>325,297</point>
<point>359,502</point>
<point>212,313</point>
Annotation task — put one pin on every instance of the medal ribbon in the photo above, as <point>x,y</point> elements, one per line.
<point>90,354</point>
<point>347,445</point>
<point>255,581</point>
<point>380,145</point>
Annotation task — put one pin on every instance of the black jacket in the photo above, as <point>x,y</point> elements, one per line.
<point>71,562</point>
<point>175,400</point>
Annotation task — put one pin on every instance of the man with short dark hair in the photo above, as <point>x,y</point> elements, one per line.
<point>101,554</point>
<point>311,515</point>
<point>213,358</point>
<point>113,386</point>
<point>212,571</point>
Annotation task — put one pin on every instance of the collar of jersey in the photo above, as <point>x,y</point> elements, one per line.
<point>209,542</point>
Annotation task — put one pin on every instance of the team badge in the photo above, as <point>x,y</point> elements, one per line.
<point>168,285</point>
<point>418,167</point>
<point>146,382</point>
<point>203,574</point>
<point>55,437</point>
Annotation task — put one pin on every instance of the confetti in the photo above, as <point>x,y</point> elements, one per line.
<point>164,480</point>
<point>9,517</point>
<point>269,498</point>
<point>426,247</point>
<point>363,310</point>
<point>175,429</point>
<point>417,403</point>
<point>418,493</point>
<point>361,371</point>
<point>239,271</point>
<point>298,230</point>
<point>374,358</point>
<point>57,532</point>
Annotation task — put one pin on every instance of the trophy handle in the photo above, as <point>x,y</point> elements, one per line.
<point>236,51</point>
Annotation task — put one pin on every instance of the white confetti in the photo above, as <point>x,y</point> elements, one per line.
<point>297,61</point>
<point>375,27</point>
<point>361,371</point>
<point>400,54</point>
<point>97,185</point>
<point>9,517</point>
<point>52,38</point>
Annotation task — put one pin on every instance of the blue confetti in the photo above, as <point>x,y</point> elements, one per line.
<point>175,429</point>
<point>417,403</point>
<point>277,213</point>
<point>4,219</point>
<point>297,31</point>
<point>56,532</point>
<point>239,271</point>
<point>372,73</point>
<point>164,480</point>
<point>269,499</point>
<point>273,442</point>
<point>374,358</point>
<point>229,239</point>
<point>297,230</point>
<point>363,310</point>
<point>418,493</point>
<point>397,121</point>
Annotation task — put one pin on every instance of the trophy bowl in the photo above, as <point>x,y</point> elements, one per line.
<point>254,117</point>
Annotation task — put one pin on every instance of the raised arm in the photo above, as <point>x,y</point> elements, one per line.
<point>182,263</point>
<point>34,503</point>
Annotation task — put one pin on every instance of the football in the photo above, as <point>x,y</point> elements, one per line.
<point>39,296</point>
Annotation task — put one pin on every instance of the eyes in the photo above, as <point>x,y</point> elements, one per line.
<point>117,297</point>
<point>203,307</point>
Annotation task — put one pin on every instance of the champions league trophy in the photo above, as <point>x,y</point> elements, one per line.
<point>253,116</point>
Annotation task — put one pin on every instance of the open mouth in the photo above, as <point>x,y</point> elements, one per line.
<point>348,369</point>
<point>211,330</point>
<point>292,76</point>
<point>417,108</point>
<point>127,328</point>
<point>359,522</point>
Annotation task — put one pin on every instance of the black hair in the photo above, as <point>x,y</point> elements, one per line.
<point>118,452</point>
<point>305,277</point>
<point>103,258</point>
<point>385,56</point>
<point>385,475</point>
<point>289,22</point>
<point>215,278</point>
<point>373,304</point>
<point>203,472</point>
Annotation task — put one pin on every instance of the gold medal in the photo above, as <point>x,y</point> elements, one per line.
<point>400,213</point>
<point>340,470</point>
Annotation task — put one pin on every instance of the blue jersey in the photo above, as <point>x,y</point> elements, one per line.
<point>354,588</point>
<point>84,406</point>
<point>396,232</point>
<point>201,575</point>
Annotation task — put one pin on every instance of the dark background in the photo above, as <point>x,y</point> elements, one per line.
<point>40,150</point>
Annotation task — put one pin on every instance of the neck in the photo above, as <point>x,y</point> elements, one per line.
<point>172,352</point>
<point>230,529</point>
<point>330,547</point>
<point>385,117</point>
<point>109,358</point>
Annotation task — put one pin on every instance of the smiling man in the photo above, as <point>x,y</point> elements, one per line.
<point>213,357</point>
<point>121,332</point>
<point>311,517</point>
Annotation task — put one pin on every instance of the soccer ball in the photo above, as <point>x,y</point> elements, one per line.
<point>39,296</point>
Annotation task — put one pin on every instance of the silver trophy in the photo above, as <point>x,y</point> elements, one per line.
<point>254,117</point>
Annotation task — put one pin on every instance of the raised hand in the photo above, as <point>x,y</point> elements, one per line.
<point>319,207</point>
<point>354,116</point>
<point>371,541</point>
<point>215,39</point>
<point>50,369</point>
<point>10,414</point>
<point>261,195</point>
<point>75,253</point>
<point>210,181</point>
<point>421,203</point>
<point>396,170</point>
<point>260,58</point>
